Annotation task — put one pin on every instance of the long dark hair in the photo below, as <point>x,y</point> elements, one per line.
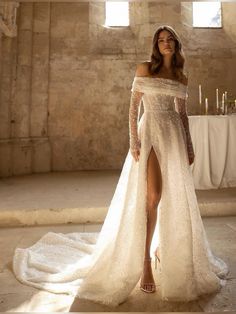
<point>178,59</point>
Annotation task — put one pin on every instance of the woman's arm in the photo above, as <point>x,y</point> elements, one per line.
<point>135,101</point>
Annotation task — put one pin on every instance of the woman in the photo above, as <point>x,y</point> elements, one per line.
<point>167,62</point>
<point>155,173</point>
<point>161,84</point>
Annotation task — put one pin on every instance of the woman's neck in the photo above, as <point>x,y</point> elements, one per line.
<point>167,66</point>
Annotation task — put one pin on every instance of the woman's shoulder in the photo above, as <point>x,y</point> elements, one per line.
<point>142,69</point>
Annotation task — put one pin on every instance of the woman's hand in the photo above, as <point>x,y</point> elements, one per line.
<point>135,149</point>
<point>190,149</point>
<point>191,156</point>
<point>135,153</point>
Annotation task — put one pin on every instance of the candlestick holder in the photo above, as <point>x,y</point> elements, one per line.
<point>222,109</point>
<point>218,111</point>
<point>200,109</point>
<point>226,108</point>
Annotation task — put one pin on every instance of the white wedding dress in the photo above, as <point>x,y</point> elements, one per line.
<point>105,267</point>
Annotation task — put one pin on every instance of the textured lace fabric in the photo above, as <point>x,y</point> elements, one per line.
<point>106,267</point>
<point>161,101</point>
<point>182,110</point>
<point>133,119</point>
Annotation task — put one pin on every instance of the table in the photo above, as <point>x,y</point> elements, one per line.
<point>214,139</point>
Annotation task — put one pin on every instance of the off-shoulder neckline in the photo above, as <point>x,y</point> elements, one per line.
<point>161,78</point>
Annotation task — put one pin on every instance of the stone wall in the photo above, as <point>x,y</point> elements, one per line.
<point>65,80</point>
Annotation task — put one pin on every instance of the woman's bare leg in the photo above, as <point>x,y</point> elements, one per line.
<point>154,188</point>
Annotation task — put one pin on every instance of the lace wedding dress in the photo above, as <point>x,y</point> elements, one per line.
<point>105,267</point>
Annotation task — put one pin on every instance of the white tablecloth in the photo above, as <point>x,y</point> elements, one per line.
<point>214,139</point>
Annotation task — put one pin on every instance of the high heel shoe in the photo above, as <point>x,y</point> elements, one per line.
<point>151,284</point>
<point>156,258</point>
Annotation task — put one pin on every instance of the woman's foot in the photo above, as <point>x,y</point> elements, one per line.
<point>147,281</point>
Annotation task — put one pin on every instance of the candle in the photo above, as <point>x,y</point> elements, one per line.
<point>206,105</point>
<point>14,20</point>
<point>226,97</point>
<point>200,94</point>
<point>235,103</point>
<point>217,99</point>
<point>223,103</point>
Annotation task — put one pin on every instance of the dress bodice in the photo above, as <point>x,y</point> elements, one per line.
<point>159,93</point>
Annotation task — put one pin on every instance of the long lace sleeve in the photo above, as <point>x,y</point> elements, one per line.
<point>182,110</point>
<point>135,101</point>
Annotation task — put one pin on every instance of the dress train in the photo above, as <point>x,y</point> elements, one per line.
<point>105,267</point>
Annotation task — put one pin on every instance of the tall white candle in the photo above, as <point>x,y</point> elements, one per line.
<point>217,99</point>
<point>14,20</point>
<point>223,103</point>
<point>200,94</point>
<point>226,97</point>
<point>206,105</point>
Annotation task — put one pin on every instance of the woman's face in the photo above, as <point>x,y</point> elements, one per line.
<point>166,43</point>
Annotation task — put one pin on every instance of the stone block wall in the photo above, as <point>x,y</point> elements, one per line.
<point>65,80</point>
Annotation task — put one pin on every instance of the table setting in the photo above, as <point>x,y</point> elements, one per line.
<point>213,138</point>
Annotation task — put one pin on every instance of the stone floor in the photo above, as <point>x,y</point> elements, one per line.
<point>32,205</point>
<point>80,197</point>
<point>15,297</point>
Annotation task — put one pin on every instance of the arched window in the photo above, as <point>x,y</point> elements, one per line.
<point>207,14</point>
<point>117,13</point>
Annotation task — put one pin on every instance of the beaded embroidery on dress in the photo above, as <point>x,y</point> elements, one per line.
<point>105,267</point>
